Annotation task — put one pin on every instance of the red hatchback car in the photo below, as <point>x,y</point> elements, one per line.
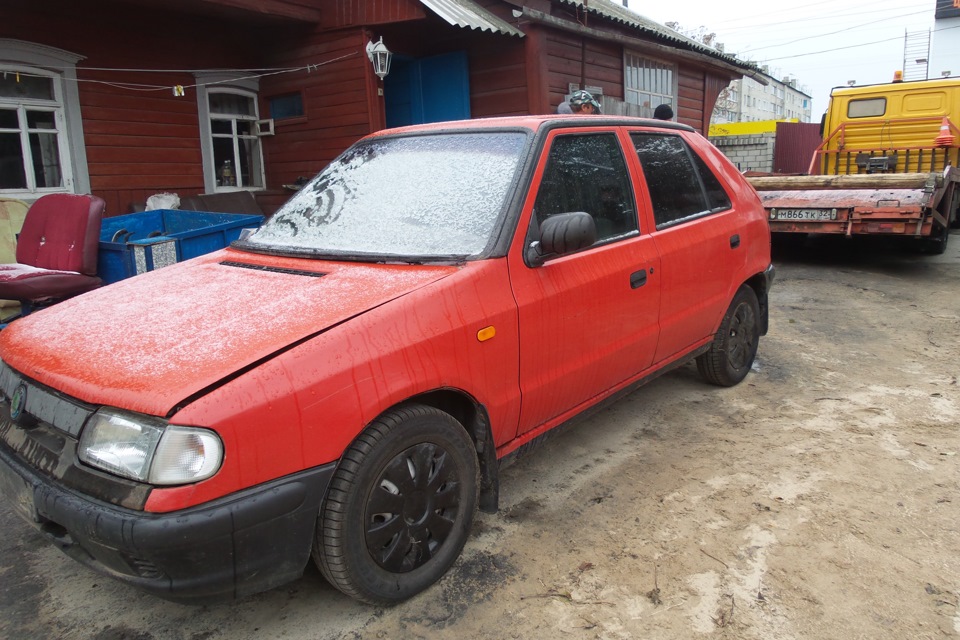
<point>344,383</point>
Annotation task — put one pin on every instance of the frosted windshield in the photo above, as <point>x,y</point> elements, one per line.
<point>421,196</point>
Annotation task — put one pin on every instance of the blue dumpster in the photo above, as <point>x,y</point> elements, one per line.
<point>139,242</point>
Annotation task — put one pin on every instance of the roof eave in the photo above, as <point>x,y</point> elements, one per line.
<point>700,54</point>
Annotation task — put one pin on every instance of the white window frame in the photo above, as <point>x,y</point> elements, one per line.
<point>61,67</point>
<point>208,83</point>
<point>667,89</point>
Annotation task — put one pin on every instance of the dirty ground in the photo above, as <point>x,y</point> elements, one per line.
<point>818,499</point>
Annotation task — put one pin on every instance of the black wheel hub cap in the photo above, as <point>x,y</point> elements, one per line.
<point>740,341</point>
<point>412,508</point>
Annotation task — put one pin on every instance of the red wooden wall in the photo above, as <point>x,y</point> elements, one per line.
<point>690,97</point>
<point>354,13</point>
<point>564,52</point>
<point>139,140</point>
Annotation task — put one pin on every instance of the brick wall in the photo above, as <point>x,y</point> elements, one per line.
<point>748,152</point>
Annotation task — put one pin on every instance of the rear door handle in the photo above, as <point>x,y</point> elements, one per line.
<point>638,279</point>
<point>735,241</point>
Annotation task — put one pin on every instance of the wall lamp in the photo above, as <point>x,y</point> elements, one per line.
<point>380,56</point>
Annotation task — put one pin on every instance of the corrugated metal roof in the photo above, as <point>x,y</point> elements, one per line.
<point>470,15</point>
<point>617,12</point>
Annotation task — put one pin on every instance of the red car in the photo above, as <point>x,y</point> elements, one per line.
<point>343,383</point>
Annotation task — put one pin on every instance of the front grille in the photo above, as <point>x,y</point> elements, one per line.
<point>43,403</point>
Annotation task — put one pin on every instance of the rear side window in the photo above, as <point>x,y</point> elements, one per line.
<point>867,108</point>
<point>680,183</point>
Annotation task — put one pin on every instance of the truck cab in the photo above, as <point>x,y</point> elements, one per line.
<point>890,128</point>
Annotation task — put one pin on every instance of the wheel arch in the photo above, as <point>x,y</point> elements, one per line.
<point>473,416</point>
<point>760,283</point>
<point>466,410</point>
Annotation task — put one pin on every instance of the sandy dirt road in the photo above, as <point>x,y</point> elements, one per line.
<point>818,499</point>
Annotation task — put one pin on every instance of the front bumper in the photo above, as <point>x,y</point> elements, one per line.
<point>241,544</point>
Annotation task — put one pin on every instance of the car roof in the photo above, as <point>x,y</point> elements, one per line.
<point>533,123</point>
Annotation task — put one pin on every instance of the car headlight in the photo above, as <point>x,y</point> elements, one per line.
<point>148,449</point>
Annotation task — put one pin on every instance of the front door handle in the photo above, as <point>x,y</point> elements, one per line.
<point>735,241</point>
<point>638,279</point>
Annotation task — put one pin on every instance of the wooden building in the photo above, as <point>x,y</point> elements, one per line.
<point>129,98</point>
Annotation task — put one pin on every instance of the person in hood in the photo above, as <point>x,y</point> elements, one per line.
<point>663,112</point>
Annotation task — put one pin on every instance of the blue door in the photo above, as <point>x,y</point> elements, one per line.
<point>433,89</point>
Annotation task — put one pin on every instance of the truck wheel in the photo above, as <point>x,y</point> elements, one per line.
<point>936,245</point>
<point>735,344</point>
<point>400,506</point>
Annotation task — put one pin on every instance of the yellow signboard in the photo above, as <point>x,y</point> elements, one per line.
<point>747,128</point>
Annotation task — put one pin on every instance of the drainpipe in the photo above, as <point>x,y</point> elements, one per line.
<point>583,48</point>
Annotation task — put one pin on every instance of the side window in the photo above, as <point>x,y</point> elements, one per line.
<point>681,185</point>
<point>717,198</point>
<point>588,173</point>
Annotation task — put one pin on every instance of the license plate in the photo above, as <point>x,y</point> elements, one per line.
<point>17,491</point>
<point>804,214</point>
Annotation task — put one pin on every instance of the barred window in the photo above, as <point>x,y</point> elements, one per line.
<point>649,83</point>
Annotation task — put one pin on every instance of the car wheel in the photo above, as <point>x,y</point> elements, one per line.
<point>735,344</point>
<point>400,506</point>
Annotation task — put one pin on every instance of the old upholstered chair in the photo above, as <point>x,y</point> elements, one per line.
<point>12,213</point>
<point>56,251</point>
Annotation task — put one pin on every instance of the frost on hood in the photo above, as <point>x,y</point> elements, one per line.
<point>409,196</point>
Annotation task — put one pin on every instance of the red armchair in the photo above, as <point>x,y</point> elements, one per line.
<point>56,251</point>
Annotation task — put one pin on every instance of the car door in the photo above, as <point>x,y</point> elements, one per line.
<point>697,236</point>
<point>588,320</point>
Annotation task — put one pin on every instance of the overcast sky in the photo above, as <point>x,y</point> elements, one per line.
<point>822,43</point>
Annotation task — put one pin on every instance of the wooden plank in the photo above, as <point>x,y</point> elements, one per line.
<point>499,103</point>
<point>146,168</point>
<point>134,115</point>
<point>156,182</point>
<point>299,11</point>
<point>94,128</point>
<point>496,79</point>
<point>348,13</point>
<point>140,102</point>
<point>855,181</point>
<point>140,154</point>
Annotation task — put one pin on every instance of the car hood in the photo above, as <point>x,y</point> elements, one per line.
<point>151,341</point>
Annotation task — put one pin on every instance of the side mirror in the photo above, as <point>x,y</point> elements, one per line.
<point>561,234</point>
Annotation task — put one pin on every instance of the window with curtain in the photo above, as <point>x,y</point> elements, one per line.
<point>237,156</point>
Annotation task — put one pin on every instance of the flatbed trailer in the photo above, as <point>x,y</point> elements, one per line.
<point>888,165</point>
<point>917,206</point>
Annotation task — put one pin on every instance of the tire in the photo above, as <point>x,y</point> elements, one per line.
<point>936,245</point>
<point>735,344</point>
<point>400,506</point>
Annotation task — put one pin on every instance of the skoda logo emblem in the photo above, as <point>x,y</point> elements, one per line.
<point>18,401</point>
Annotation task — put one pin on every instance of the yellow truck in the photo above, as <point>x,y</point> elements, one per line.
<point>887,166</point>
